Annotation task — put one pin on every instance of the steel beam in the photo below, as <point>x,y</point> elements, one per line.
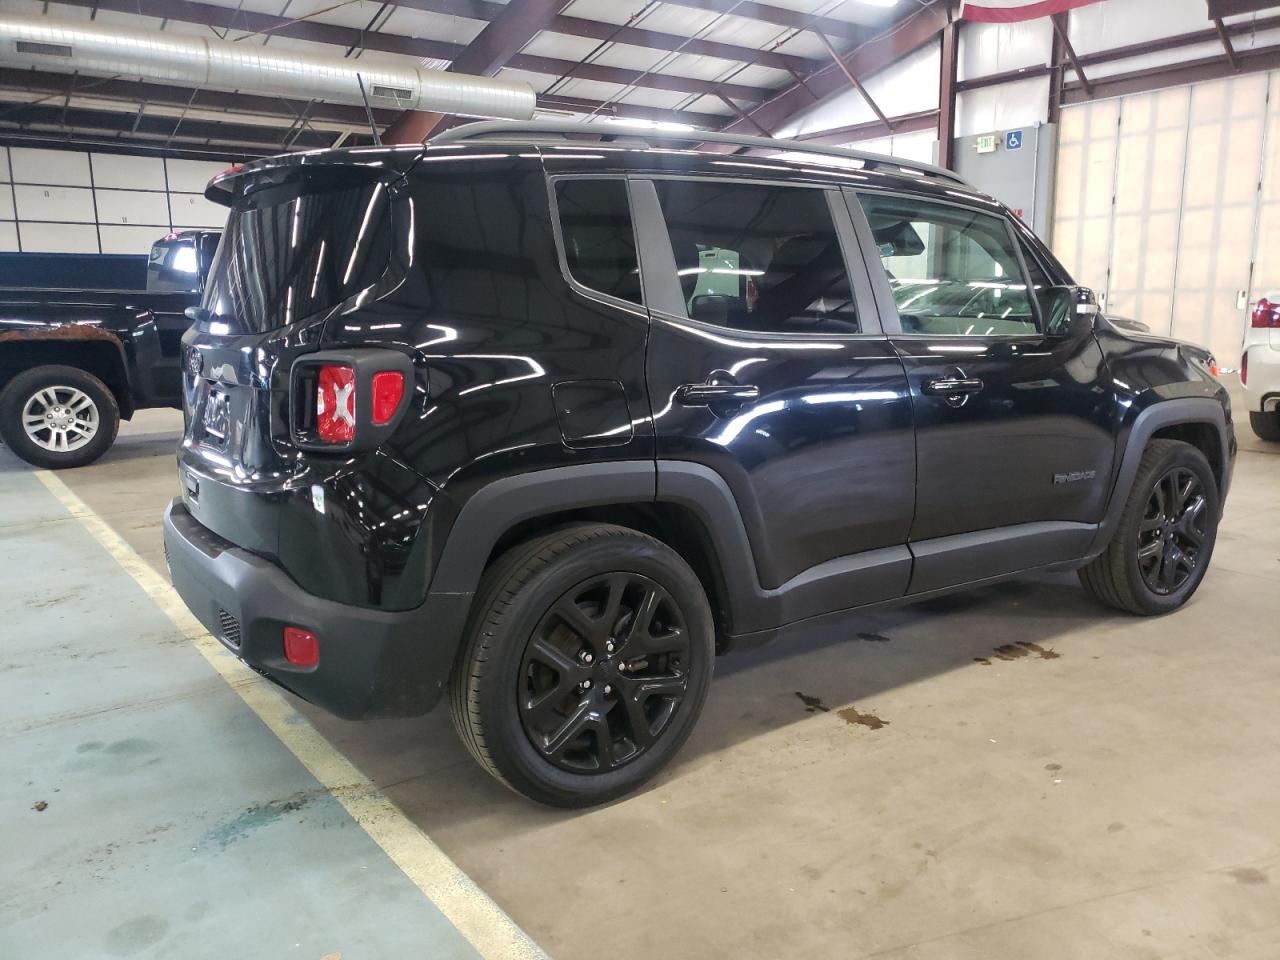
<point>161,128</point>
<point>1193,71</point>
<point>870,58</point>
<point>134,92</point>
<point>748,9</point>
<point>1226,43</point>
<point>853,81</point>
<point>743,114</point>
<point>492,49</point>
<point>1057,73</point>
<point>947,95</point>
<point>1123,53</point>
<point>656,40</point>
<point>1060,29</point>
<point>908,123</point>
<point>1230,8</point>
<point>779,16</point>
<point>137,91</point>
<point>228,18</point>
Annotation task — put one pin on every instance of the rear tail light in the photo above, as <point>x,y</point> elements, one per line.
<point>348,401</point>
<point>301,648</point>
<point>388,388</point>
<point>1266,314</point>
<point>336,404</point>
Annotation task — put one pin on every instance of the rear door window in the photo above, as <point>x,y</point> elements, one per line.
<point>758,256</point>
<point>599,236</point>
<point>295,249</point>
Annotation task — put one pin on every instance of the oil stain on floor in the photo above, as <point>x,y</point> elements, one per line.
<point>1016,651</point>
<point>868,720</point>
<point>849,714</point>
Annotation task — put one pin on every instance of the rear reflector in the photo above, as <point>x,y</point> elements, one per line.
<point>1244,369</point>
<point>388,388</point>
<point>301,648</point>
<point>336,404</point>
<point>1266,314</point>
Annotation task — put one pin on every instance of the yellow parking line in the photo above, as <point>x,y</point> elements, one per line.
<point>483,923</point>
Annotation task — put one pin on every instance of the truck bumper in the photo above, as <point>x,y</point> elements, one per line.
<point>373,663</point>
<point>1262,392</point>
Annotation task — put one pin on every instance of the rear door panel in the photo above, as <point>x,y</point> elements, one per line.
<point>821,462</point>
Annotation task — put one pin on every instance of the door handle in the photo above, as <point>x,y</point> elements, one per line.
<point>953,386</point>
<point>716,394</point>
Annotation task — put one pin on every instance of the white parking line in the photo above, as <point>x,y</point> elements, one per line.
<point>493,934</point>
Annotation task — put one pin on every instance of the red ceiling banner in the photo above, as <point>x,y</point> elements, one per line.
<point>1011,11</point>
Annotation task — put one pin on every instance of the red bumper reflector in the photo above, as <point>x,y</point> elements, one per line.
<point>336,404</point>
<point>388,388</point>
<point>301,648</point>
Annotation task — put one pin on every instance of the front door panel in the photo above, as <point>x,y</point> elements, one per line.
<point>1033,444</point>
<point>1014,423</point>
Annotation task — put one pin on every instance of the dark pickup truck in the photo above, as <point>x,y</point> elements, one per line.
<point>74,362</point>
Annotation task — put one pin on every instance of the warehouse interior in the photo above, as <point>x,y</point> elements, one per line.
<point>1013,771</point>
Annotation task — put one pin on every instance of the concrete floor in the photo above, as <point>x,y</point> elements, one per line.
<point>1015,773</point>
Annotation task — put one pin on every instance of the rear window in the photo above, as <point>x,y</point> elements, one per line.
<point>295,249</point>
<point>174,266</point>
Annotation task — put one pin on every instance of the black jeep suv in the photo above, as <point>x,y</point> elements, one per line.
<point>550,418</point>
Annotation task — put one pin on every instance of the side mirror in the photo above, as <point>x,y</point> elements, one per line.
<point>1063,307</point>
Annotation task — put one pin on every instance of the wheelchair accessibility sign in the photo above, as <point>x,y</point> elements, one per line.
<point>1013,140</point>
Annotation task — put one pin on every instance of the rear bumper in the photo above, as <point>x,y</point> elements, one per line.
<point>1262,392</point>
<point>373,663</point>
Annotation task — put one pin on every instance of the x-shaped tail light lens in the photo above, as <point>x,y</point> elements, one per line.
<point>336,404</point>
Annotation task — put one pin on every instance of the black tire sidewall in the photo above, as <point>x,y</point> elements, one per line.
<point>1185,456</point>
<point>508,744</point>
<point>1266,425</point>
<point>20,389</point>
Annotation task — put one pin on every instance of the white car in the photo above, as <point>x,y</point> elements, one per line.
<point>1260,368</point>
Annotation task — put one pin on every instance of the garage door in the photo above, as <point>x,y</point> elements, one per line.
<point>1163,205</point>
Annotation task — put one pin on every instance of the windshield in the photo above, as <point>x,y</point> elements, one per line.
<point>294,249</point>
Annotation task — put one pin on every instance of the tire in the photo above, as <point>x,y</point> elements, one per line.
<point>517,697</point>
<point>51,391</point>
<point>1266,425</point>
<point>1172,563</point>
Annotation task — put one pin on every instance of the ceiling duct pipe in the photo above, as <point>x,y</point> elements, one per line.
<point>194,61</point>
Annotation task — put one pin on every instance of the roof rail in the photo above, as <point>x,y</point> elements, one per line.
<point>533,129</point>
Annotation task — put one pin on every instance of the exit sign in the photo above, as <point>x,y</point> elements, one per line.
<point>987,143</point>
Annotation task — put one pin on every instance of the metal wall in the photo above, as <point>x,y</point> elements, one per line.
<point>67,201</point>
<point>1168,204</point>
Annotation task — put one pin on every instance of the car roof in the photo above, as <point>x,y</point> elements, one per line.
<point>561,156</point>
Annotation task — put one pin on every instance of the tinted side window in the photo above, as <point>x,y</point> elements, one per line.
<point>599,241</point>
<point>952,271</point>
<point>758,257</point>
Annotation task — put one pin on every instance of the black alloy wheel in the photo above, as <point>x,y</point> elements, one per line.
<point>1163,540</point>
<point>588,659</point>
<point>604,673</point>
<point>1172,531</point>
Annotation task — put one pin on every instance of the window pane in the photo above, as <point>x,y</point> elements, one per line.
<point>758,257</point>
<point>599,242</point>
<point>952,271</point>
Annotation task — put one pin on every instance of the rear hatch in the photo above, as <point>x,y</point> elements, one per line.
<point>308,239</point>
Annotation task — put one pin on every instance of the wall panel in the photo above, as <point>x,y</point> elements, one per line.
<point>122,198</point>
<point>1159,206</point>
